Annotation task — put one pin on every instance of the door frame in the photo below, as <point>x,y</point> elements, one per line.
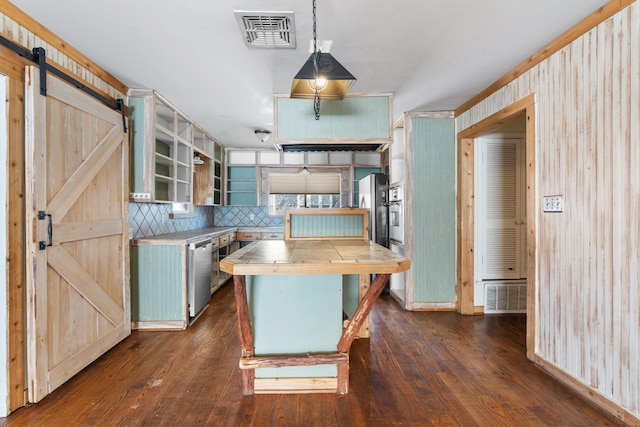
<point>466,211</point>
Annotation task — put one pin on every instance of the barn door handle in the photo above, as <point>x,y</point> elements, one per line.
<point>42,245</point>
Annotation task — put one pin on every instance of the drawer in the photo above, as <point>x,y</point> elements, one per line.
<point>274,235</point>
<point>245,236</point>
<point>224,239</point>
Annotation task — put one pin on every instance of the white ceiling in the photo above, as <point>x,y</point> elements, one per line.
<point>431,54</point>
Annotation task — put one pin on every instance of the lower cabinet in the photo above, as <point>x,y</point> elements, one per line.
<point>226,245</point>
<point>247,236</point>
<point>160,278</point>
<point>159,287</point>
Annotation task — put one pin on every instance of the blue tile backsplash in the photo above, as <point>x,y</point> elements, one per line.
<point>245,216</point>
<point>149,219</point>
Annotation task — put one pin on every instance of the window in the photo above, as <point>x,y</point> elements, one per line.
<point>288,191</point>
<point>182,210</point>
<point>279,203</point>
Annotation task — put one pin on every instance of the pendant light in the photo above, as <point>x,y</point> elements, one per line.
<point>322,76</point>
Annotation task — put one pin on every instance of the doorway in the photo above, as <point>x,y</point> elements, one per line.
<point>501,238</point>
<point>466,238</point>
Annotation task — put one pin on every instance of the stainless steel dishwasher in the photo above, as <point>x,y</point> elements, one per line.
<point>199,274</point>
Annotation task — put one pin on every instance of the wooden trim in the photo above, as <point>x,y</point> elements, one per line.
<point>48,36</point>
<point>12,66</point>
<point>260,362</point>
<point>498,119</point>
<point>295,385</point>
<point>432,306</point>
<point>581,28</point>
<point>466,223</point>
<point>587,392</point>
<point>165,325</point>
<point>466,209</point>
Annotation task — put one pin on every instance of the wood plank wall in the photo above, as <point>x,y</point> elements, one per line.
<point>588,129</point>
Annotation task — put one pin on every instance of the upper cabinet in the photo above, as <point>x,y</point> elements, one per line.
<point>172,158</point>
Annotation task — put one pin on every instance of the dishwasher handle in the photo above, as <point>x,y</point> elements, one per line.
<point>199,244</point>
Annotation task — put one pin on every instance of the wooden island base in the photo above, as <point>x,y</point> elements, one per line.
<point>249,362</point>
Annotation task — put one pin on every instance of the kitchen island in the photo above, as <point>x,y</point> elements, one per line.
<point>289,303</point>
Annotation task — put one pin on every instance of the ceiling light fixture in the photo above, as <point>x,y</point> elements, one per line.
<point>262,134</point>
<point>305,171</point>
<point>321,76</point>
<point>197,160</point>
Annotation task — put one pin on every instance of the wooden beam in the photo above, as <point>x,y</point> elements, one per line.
<point>259,362</point>
<point>361,313</point>
<point>244,322</point>
<point>573,33</point>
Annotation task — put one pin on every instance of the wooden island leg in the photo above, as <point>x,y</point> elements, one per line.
<point>244,329</point>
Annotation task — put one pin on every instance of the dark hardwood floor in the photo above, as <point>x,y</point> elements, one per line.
<point>417,369</point>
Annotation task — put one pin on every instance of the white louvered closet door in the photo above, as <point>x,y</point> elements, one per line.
<point>502,219</point>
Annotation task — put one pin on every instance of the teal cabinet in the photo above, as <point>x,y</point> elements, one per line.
<point>355,119</point>
<point>159,286</point>
<point>241,186</point>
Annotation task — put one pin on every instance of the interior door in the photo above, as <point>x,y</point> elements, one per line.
<point>77,233</point>
<point>503,220</point>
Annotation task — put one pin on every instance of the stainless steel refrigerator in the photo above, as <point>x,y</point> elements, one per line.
<point>373,192</point>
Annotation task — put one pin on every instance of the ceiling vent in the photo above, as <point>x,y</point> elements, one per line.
<point>267,29</point>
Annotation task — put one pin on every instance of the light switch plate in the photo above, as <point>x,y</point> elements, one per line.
<point>552,204</point>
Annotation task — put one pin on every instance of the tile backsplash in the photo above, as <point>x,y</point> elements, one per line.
<point>149,219</point>
<point>245,216</point>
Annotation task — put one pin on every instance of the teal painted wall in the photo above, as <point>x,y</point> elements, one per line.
<point>350,293</point>
<point>295,314</point>
<point>434,200</point>
<point>326,225</point>
<point>356,117</point>
<point>156,282</point>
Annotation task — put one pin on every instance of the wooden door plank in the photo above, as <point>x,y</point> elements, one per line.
<point>35,196</point>
<point>71,231</point>
<point>61,373</point>
<point>75,275</point>
<point>69,95</point>
<point>73,188</point>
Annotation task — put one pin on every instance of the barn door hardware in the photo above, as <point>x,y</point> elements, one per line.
<point>42,245</point>
<point>38,55</point>
<point>120,104</point>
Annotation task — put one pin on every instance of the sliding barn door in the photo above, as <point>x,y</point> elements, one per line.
<point>77,232</point>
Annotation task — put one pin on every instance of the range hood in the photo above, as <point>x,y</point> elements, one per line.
<point>336,146</point>
<point>356,123</point>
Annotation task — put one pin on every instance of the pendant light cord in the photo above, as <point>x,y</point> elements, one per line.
<point>316,60</point>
